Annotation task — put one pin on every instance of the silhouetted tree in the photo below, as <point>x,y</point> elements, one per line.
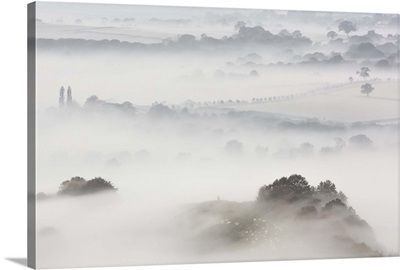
<point>69,96</point>
<point>234,147</point>
<point>72,186</point>
<point>160,111</point>
<point>297,34</point>
<point>340,143</point>
<point>327,187</point>
<point>306,148</point>
<point>42,196</point>
<point>347,27</point>
<point>284,33</point>
<point>61,98</point>
<point>360,140</point>
<point>287,188</point>
<point>92,100</point>
<point>336,203</point>
<point>327,191</point>
<point>364,72</point>
<point>383,63</point>
<point>97,184</point>
<point>239,25</point>
<point>331,34</point>
<point>254,73</point>
<point>79,186</point>
<point>367,89</point>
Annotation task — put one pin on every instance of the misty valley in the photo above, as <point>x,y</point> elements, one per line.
<point>185,135</point>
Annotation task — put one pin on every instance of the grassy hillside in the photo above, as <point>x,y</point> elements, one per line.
<point>345,104</point>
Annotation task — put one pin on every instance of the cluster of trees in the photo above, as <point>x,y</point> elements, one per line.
<point>345,26</point>
<point>366,88</point>
<point>258,35</point>
<point>96,104</point>
<point>359,141</point>
<point>367,46</point>
<point>320,201</point>
<point>78,186</point>
<point>245,36</point>
<point>296,188</point>
<point>318,217</point>
<point>92,104</point>
<point>365,50</point>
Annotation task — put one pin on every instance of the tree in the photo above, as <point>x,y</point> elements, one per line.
<point>186,39</point>
<point>383,63</point>
<point>340,143</point>
<point>42,196</point>
<point>327,187</point>
<point>284,33</point>
<point>297,34</point>
<point>69,96</point>
<point>332,35</point>
<point>234,147</point>
<point>327,191</point>
<point>347,27</point>
<point>306,148</point>
<point>336,59</point>
<point>72,186</point>
<point>160,111</point>
<point>366,89</point>
<point>61,98</point>
<point>92,100</point>
<point>307,211</point>
<point>288,188</point>
<point>351,79</point>
<point>79,186</point>
<point>254,73</point>
<point>360,140</point>
<point>334,204</point>
<point>97,184</point>
<point>239,25</point>
<point>364,72</point>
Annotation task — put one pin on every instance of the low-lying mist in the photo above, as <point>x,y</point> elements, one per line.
<point>219,135</point>
<point>165,166</point>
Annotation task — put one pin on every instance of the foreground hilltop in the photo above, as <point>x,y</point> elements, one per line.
<point>289,219</point>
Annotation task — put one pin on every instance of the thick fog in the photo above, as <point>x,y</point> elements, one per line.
<point>187,113</point>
